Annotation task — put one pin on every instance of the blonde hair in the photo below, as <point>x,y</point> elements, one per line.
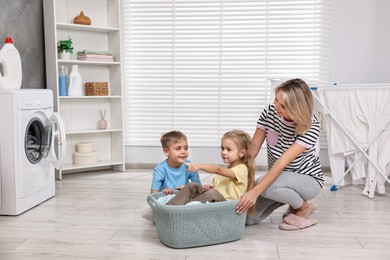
<point>298,101</point>
<point>244,141</point>
<point>172,137</point>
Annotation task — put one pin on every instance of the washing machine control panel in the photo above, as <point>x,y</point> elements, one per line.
<point>36,100</point>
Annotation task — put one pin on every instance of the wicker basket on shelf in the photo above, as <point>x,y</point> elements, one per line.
<point>96,88</point>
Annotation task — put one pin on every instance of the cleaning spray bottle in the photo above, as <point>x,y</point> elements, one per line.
<point>75,87</point>
<point>63,81</point>
<point>12,66</point>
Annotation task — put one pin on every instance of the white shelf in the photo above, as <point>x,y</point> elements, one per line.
<point>87,62</point>
<point>89,97</point>
<point>86,28</point>
<point>92,131</point>
<point>81,113</point>
<point>67,166</point>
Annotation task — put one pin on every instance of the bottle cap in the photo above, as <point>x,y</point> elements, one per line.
<point>8,40</point>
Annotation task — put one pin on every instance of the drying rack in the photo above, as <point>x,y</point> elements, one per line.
<point>371,178</point>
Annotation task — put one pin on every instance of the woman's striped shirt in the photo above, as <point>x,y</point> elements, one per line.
<point>280,135</point>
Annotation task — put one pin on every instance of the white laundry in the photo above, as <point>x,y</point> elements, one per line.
<point>364,114</point>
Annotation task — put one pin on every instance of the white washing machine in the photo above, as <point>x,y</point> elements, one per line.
<point>32,144</point>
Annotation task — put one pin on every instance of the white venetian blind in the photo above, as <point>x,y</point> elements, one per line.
<point>202,66</point>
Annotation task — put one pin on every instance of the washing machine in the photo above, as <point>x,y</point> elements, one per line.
<point>32,145</point>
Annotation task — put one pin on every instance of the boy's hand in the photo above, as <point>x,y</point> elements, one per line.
<point>167,191</point>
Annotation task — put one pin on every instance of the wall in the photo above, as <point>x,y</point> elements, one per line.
<point>360,53</point>
<point>360,41</point>
<point>23,21</point>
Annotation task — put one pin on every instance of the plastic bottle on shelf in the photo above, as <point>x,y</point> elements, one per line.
<point>75,87</point>
<point>63,81</point>
<point>12,66</point>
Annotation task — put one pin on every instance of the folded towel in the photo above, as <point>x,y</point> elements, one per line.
<point>94,56</point>
<point>94,52</point>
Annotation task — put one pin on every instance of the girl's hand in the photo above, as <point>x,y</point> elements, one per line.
<point>246,201</point>
<point>191,167</point>
<point>207,186</point>
<point>167,191</point>
<point>180,187</point>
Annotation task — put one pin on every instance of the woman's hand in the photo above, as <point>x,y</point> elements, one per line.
<point>246,201</point>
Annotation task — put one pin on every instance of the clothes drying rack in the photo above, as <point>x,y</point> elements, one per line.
<point>367,191</point>
<point>318,87</point>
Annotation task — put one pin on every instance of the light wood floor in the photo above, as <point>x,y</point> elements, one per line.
<point>96,215</point>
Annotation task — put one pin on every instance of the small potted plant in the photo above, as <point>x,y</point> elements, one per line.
<point>64,48</point>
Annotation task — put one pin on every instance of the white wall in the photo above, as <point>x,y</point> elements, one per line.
<point>360,53</point>
<point>360,47</point>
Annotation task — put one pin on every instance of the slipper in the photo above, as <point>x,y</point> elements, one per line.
<point>288,227</point>
<point>288,211</point>
<point>312,206</point>
<point>299,222</point>
<point>285,226</point>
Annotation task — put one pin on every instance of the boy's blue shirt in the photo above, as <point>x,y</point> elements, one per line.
<point>165,176</point>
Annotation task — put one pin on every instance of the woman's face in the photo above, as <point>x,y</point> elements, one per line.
<point>281,110</point>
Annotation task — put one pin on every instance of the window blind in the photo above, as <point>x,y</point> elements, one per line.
<point>203,66</point>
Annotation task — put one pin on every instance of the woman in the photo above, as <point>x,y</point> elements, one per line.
<point>294,176</point>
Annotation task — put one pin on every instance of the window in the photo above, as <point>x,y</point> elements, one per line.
<point>203,67</point>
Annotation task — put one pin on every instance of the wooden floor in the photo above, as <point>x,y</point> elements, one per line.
<point>96,215</point>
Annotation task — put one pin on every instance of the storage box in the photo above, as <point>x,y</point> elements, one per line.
<point>96,88</point>
<point>86,147</point>
<point>85,158</point>
<point>196,225</point>
<point>84,154</point>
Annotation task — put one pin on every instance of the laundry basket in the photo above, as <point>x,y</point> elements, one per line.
<point>197,225</point>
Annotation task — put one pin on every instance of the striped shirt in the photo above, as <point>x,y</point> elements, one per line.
<point>280,135</point>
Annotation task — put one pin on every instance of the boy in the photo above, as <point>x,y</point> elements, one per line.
<point>171,174</point>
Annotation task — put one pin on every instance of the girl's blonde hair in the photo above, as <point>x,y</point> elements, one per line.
<point>244,141</point>
<point>298,100</point>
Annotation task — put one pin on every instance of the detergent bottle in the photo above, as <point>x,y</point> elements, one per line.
<point>75,87</point>
<point>12,66</point>
<point>63,81</point>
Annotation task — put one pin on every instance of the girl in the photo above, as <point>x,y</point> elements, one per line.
<point>230,182</point>
<point>294,176</point>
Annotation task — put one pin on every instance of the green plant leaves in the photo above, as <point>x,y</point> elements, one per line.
<point>65,45</point>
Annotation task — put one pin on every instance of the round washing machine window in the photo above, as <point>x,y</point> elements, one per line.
<point>36,140</point>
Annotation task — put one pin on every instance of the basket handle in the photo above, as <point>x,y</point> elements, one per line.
<point>152,202</point>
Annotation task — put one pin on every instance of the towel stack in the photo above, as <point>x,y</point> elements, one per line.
<point>89,55</point>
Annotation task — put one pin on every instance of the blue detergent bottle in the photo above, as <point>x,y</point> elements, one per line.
<point>63,82</point>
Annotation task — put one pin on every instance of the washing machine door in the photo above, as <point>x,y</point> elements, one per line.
<point>55,140</point>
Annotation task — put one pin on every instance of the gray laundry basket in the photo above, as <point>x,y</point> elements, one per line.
<point>197,225</point>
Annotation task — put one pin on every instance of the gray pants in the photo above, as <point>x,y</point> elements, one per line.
<point>289,188</point>
<point>194,192</point>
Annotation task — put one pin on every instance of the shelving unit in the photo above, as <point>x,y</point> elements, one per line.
<point>80,114</point>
